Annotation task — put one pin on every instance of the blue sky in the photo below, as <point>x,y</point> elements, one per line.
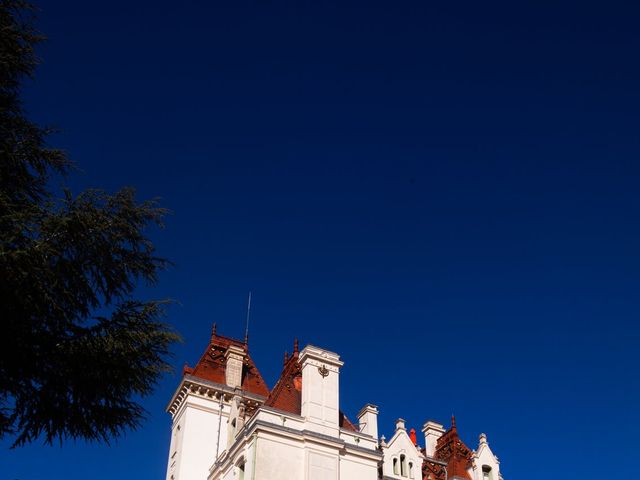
<point>446,194</point>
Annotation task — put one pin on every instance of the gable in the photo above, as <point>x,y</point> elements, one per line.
<point>401,443</point>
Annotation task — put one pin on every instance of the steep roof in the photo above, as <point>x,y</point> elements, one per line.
<point>452,450</point>
<point>287,392</point>
<point>211,365</point>
<point>286,395</point>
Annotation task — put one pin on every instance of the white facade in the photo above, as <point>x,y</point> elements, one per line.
<point>277,445</point>
<point>402,458</point>
<point>281,446</point>
<point>485,464</point>
<point>223,431</point>
<point>200,427</point>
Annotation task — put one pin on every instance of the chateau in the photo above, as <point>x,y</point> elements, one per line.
<point>228,425</point>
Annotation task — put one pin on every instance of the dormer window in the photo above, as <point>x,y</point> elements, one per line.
<point>410,470</point>
<point>403,465</point>
<point>395,466</point>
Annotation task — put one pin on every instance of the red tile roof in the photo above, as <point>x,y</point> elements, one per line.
<point>287,392</point>
<point>286,395</point>
<point>211,365</point>
<point>346,423</point>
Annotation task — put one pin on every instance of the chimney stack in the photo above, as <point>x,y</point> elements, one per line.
<point>234,357</point>
<point>432,432</point>
<point>368,420</point>
<point>320,387</point>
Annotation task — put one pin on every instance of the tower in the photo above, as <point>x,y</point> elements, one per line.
<point>210,405</point>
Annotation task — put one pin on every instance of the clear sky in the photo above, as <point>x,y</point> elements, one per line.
<point>445,193</point>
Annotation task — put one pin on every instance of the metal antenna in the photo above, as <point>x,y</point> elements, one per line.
<point>246,332</point>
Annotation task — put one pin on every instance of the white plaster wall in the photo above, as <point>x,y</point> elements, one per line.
<point>320,396</point>
<point>230,474</point>
<point>485,456</point>
<point>279,459</point>
<point>352,468</point>
<point>175,446</point>
<point>358,439</point>
<point>199,426</point>
<point>322,465</point>
<point>401,444</point>
<point>368,421</point>
<point>320,392</point>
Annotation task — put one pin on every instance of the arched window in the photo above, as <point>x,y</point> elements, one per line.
<point>403,465</point>
<point>240,465</point>
<point>410,470</point>
<point>486,473</point>
<point>395,466</point>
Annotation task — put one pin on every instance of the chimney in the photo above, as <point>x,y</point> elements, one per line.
<point>320,387</point>
<point>400,424</point>
<point>432,432</point>
<point>368,420</point>
<point>234,357</point>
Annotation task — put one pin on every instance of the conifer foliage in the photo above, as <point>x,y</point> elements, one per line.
<point>77,350</point>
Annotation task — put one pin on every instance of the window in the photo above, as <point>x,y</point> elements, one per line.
<point>486,473</point>
<point>176,441</point>
<point>240,465</point>
<point>403,465</point>
<point>395,466</point>
<point>410,470</point>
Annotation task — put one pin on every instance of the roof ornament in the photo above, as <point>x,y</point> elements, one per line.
<point>295,346</point>
<point>412,436</point>
<point>453,422</point>
<point>214,328</point>
<point>246,332</point>
<point>323,371</point>
<point>286,357</point>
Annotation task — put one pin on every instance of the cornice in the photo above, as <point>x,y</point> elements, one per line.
<point>199,387</point>
<point>254,426</point>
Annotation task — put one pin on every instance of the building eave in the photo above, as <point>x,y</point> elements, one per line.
<point>192,384</point>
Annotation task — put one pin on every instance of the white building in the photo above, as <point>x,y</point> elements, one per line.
<point>228,425</point>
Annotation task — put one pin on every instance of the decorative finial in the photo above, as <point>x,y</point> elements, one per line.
<point>412,436</point>
<point>286,357</point>
<point>295,346</point>
<point>214,329</point>
<point>453,422</point>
